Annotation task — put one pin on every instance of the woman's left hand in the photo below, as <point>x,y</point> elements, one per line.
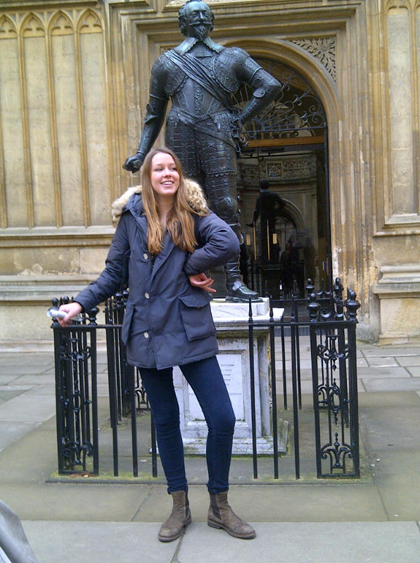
<point>202,281</point>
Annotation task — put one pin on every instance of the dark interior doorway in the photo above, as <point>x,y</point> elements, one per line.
<point>287,227</point>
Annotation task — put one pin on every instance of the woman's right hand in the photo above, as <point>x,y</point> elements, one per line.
<point>71,310</point>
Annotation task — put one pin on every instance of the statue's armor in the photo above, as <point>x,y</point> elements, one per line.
<point>202,120</point>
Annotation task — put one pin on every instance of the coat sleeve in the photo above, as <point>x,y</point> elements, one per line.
<point>217,245</point>
<point>109,282</point>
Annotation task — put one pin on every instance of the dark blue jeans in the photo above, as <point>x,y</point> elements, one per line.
<point>206,380</point>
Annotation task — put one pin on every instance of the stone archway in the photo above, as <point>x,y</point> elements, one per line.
<point>288,145</point>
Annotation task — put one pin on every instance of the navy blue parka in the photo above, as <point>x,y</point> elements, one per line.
<point>167,322</point>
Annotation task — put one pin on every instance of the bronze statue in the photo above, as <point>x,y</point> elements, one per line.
<point>203,127</point>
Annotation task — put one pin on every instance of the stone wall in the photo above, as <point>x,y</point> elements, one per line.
<point>73,90</point>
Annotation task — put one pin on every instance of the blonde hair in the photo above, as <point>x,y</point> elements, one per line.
<point>180,222</point>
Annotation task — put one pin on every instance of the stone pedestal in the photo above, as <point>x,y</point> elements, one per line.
<point>231,320</point>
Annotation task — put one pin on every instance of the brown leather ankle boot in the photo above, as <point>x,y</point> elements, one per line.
<point>179,518</point>
<point>222,516</point>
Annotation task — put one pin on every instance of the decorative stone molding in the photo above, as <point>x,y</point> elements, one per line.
<point>323,49</point>
<point>293,168</point>
<point>38,23</point>
<point>290,168</point>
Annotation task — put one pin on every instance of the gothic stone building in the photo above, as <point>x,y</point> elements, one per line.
<point>340,147</point>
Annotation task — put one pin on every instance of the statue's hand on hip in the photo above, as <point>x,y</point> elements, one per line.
<point>133,163</point>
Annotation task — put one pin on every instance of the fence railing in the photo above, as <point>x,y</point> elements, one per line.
<point>328,320</point>
<point>331,323</point>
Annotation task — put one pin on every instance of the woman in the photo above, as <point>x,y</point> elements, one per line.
<point>172,239</point>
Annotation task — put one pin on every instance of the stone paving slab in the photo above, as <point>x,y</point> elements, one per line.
<point>42,379</point>
<point>76,501</point>
<point>302,542</point>
<point>98,542</point>
<point>8,392</point>
<point>22,368</point>
<point>306,543</point>
<point>381,372</point>
<point>392,384</point>
<point>382,361</point>
<point>409,361</point>
<point>6,379</point>
<point>12,432</point>
<point>371,351</point>
<point>42,389</point>
<point>398,486</point>
<point>26,408</point>
<point>28,359</point>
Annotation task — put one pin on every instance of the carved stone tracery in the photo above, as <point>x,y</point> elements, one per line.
<point>323,49</point>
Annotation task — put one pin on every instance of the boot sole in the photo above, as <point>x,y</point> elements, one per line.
<point>238,536</point>
<point>233,299</point>
<point>165,539</point>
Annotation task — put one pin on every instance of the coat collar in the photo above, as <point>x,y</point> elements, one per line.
<point>131,200</point>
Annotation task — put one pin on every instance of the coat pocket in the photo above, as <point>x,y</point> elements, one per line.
<point>196,316</point>
<point>126,324</point>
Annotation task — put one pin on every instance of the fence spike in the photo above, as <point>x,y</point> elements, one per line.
<point>352,305</point>
<point>313,307</point>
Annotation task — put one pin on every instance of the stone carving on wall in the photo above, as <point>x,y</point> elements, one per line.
<point>285,168</point>
<point>323,49</point>
<point>39,23</point>
<point>7,28</point>
<point>292,168</point>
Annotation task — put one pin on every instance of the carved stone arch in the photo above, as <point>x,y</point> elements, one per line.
<point>32,26</point>
<point>61,24</point>
<point>293,213</point>
<point>397,5</point>
<point>7,28</point>
<point>303,63</point>
<point>89,21</point>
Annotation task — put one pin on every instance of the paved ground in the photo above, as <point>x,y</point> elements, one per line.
<point>374,519</point>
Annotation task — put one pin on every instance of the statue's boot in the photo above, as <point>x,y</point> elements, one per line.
<point>238,292</point>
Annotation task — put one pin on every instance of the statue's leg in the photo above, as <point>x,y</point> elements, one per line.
<point>220,189</point>
<point>219,162</point>
<point>182,140</point>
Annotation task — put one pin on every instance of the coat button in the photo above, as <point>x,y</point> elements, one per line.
<point>146,256</point>
<point>146,335</point>
<point>146,295</point>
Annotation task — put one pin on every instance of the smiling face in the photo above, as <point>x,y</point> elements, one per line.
<point>164,177</point>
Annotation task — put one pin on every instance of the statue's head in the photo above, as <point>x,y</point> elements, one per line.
<point>196,19</point>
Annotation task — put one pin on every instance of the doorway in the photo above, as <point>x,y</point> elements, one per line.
<point>283,189</point>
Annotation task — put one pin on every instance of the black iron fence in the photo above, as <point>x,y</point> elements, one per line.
<point>325,321</point>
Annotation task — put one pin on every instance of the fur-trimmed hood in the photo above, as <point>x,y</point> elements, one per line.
<point>196,199</point>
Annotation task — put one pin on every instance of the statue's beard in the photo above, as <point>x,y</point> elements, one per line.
<point>201,31</point>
